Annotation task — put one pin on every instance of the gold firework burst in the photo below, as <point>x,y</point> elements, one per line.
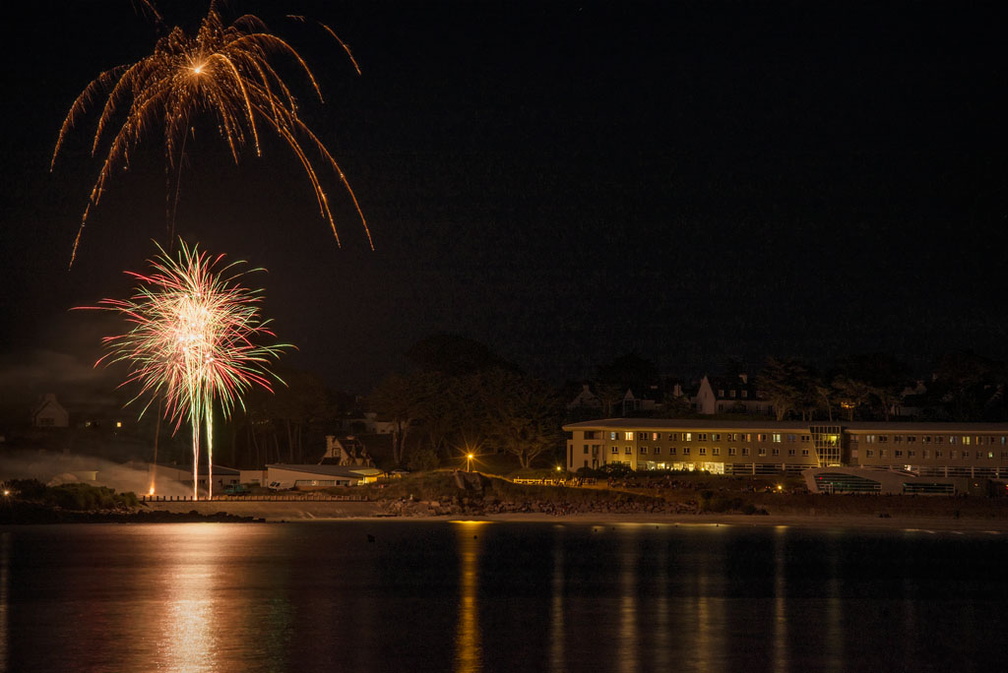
<point>225,71</point>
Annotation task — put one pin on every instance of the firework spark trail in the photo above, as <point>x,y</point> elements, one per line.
<point>193,341</point>
<point>224,71</point>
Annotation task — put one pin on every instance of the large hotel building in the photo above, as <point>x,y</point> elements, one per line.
<point>970,450</point>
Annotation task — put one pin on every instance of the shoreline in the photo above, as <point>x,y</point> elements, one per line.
<point>288,512</point>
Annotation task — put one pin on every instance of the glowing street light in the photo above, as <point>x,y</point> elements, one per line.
<point>469,461</point>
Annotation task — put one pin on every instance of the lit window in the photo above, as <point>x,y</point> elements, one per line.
<point>776,438</point>
<point>628,435</point>
<point>655,436</point>
<point>687,436</point>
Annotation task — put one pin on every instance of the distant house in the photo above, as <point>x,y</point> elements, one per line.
<point>347,450</point>
<point>585,399</point>
<point>726,395</point>
<point>49,413</point>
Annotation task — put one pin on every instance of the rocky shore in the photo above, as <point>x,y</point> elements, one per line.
<point>33,513</point>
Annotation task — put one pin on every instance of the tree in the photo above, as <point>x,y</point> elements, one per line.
<point>399,399</point>
<point>454,355</point>
<point>523,415</point>
<point>787,384</point>
<point>852,394</point>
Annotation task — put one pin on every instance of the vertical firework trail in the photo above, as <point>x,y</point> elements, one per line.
<point>194,340</point>
<point>225,72</point>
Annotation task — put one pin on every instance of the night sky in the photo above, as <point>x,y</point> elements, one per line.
<point>566,182</point>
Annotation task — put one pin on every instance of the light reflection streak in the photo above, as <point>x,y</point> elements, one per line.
<point>4,598</point>
<point>188,643</point>
<point>834,656</point>
<point>468,645</point>
<point>662,625</point>
<point>557,644</point>
<point>711,637</point>
<point>628,639</point>
<point>780,630</point>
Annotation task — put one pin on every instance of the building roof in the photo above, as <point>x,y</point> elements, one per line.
<point>655,424</point>
<point>330,470</point>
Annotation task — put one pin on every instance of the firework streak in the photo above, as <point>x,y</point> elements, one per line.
<point>194,341</point>
<point>225,71</point>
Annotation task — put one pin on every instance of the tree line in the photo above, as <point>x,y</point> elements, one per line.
<point>458,396</point>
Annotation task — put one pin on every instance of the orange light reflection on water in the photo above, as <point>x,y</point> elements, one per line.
<point>468,644</point>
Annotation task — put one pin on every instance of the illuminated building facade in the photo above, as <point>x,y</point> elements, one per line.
<point>768,447</point>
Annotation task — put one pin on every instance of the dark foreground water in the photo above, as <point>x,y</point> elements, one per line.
<point>439,596</point>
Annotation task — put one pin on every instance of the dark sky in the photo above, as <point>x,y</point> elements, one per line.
<point>564,181</point>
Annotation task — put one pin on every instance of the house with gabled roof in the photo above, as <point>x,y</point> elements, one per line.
<point>726,395</point>
<point>49,413</point>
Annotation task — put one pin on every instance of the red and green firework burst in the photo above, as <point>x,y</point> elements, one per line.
<point>196,340</point>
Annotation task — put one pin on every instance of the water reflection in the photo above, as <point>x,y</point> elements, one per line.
<point>432,596</point>
<point>468,648</point>
<point>629,647</point>
<point>557,624</point>
<point>187,640</point>
<point>780,616</point>
<point>4,598</point>
<point>833,648</point>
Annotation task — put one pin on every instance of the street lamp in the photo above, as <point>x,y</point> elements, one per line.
<point>469,460</point>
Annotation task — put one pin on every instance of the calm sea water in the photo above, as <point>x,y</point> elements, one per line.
<point>440,596</point>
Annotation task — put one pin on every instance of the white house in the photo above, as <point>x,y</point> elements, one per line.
<point>727,395</point>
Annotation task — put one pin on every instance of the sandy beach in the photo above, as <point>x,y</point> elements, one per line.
<point>322,511</point>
